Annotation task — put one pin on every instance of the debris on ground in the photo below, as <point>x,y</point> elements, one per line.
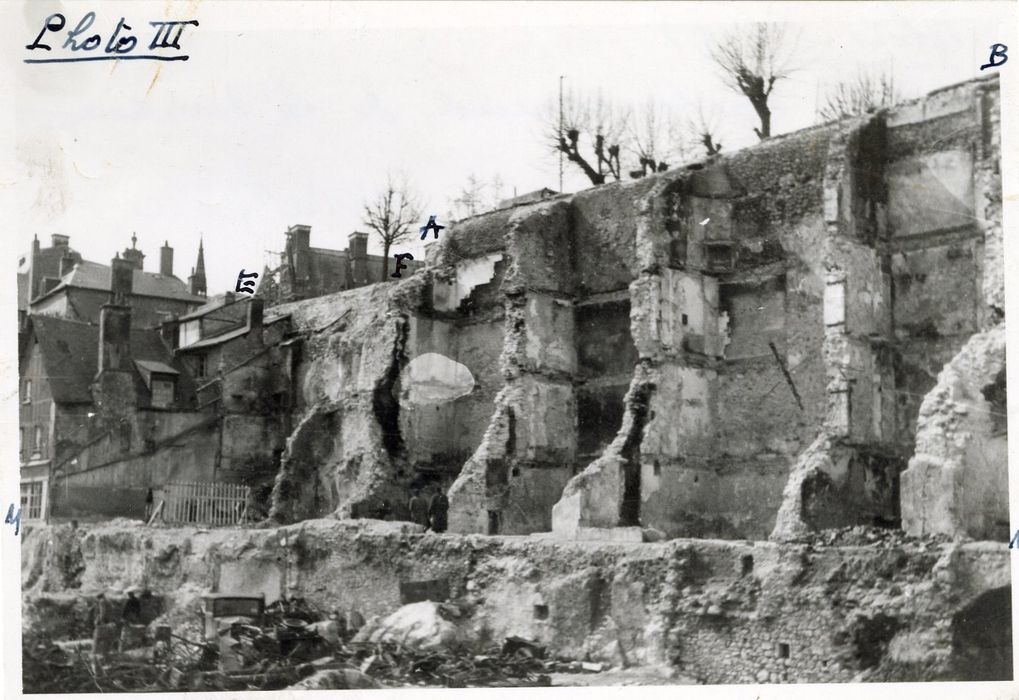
<point>421,644</point>
<point>425,625</point>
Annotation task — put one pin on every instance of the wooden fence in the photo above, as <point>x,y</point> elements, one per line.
<point>205,503</point>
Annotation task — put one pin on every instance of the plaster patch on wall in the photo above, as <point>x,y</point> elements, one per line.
<point>435,378</point>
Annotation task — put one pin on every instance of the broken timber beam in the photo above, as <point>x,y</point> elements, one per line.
<point>785,371</point>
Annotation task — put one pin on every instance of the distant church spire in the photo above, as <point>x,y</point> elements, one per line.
<point>196,282</point>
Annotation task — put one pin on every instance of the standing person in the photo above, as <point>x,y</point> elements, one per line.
<point>419,508</point>
<point>438,510</point>
<point>148,504</point>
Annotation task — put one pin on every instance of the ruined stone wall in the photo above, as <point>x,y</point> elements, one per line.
<point>716,611</point>
<point>528,451</point>
<point>957,481</point>
<point>755,334</point>
<point>945,249</point>
<point>718,425</point>
<point>346,452</point>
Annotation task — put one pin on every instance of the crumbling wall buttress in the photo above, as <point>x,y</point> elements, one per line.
<point>346,454</point>
<point>857,318</point>
<point>509,484</point>
<point>674,325</point>
<point>957,481</point>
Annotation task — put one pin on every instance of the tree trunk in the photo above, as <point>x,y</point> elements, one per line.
<point>764,114</point>
<point>385,261</point>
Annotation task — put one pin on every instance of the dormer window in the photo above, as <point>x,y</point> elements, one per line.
<point>161,381</point>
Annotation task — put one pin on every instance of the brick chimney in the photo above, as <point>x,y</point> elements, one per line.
<point>67,261</point>
<point>166,260</point>
<point>115,338</point>
<point>357,250</point>
<point>121,280</point>
<point>59,240</point>
<point>256,312</point>
<point>297,262</point>
<point>299,235</point>
<point>114,387</point>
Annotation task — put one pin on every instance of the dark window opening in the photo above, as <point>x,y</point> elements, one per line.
<point>515,471</point>
<point>783,650</point>
<point>719,255</point>
<point>540,612</point>
<point>685,319</point>
<point>629,511</point>
<point>658,468</point>
<point>746,564</point>
<point>494,522</point>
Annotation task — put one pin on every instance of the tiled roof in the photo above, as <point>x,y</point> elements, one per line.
<point>220,338</point>
<point>70,353</point>
<point>214,303</point>
<point>152,366</point>
<point>91,275</point>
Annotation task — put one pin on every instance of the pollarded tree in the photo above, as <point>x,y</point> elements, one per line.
<point>752,61</point>
<point>589,133</point>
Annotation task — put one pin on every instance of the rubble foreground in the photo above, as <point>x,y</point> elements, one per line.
<point>856,604</point>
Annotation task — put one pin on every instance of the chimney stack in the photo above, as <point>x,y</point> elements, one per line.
<point>114,338</point>
<point>166,260</point>
<point>59,240</point>
<point>121,280</point>
<point>300,234</point>
<point>67,261</point>
<point>256,311</point>
<point>357,249</point>
<point>113,390</point>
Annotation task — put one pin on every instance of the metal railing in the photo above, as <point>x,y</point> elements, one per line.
<point>205,503</point>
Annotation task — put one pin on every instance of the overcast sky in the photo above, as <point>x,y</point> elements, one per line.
<point>295,112</point>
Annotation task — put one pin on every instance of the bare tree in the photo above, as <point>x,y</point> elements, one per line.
<point>859,95</point>
<point>470,201</point>
<point>391,214</point>
<point>655,140</point>
<point>752,62</point>
<point>476,197</point>
<point>594,120</point>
